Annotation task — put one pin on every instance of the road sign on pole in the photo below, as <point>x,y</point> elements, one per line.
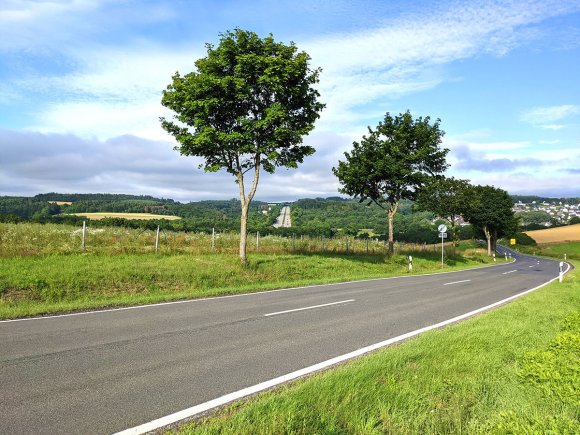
<point>442,228</point>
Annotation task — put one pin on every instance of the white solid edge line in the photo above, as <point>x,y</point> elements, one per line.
<point>257,293</point>
<point>457,282</point>
<point>202,407</point>
<point>308,308</point>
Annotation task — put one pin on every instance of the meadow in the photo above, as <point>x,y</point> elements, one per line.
<point>43,269</point>
<point>514,370</point>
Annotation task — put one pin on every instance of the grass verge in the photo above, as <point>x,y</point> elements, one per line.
<point>62,283</point>
<point>512,370</point>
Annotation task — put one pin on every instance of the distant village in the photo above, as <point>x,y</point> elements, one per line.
<point>556,212</point>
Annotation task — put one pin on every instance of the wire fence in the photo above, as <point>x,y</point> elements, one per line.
<point>25,239</point>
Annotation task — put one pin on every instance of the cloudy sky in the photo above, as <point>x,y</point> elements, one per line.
<point>81,83</point>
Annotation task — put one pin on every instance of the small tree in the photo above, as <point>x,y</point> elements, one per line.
<point>393,162</point>
<point>446,197</point>
<point>245,108</point>
<point>489,209</point>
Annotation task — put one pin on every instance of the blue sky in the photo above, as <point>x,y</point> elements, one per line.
<point>81,82</point>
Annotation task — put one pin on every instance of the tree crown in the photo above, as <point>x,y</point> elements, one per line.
<point>394,161</point>
<point>248,103</point>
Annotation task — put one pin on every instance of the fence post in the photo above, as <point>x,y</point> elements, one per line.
<point>323,244</point>
<point>212,240</point>
<point>84,234</point>
<point>347,245</point>
<point>257,240</point>
<point>367,246</point>
<point>293,242</point>
<point>157,240</point>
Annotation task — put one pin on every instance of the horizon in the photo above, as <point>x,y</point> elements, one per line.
<point>81,83</point>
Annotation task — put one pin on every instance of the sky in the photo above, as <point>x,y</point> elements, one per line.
<point>81,84</point>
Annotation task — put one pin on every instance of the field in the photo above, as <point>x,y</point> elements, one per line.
<point>43,270</point>
<point>139,216</point>
<point>567,233</point>
<point>514,370</point>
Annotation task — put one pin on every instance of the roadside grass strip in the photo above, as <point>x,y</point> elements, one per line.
<point>512,370</point>
<point>40,285</point>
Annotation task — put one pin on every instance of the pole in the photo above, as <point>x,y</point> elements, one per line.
<point>212,240</point>
<point>257,240</point>
<point>494,257</point>
<point>84,233</point>
<point>347,245</point>
<point>367,246</point>
<point>323,244</point>
<point>293,242</point>
<point>410,263</point>
<point>441,250</point>
<point>561,271</point>
<point>157,240</point>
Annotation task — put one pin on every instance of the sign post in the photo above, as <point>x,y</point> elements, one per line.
<point>410,263</point>
<point>561,271</point>
<point>443,234</point>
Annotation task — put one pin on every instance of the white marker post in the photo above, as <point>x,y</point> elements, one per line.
<point>494,257</point>
<point>506,256</point>
<point>212,240</point>
<point>157,240</point>
<point>410,264</point>
<point>561,271</point>
<point>84,234</point>
<point>257,240</point>
<point>442,233</point>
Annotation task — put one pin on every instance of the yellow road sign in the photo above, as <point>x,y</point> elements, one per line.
<point>512,241</point>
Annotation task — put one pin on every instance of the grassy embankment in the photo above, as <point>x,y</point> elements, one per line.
<point>514,370</point>
<point>42,270</point>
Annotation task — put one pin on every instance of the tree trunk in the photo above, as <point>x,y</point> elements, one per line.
<point>245,203</point>
<point>244,232</point>
<point>488,237</point>
<point>392,210</point>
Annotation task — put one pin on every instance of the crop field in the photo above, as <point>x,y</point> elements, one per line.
<point>139,216</point>
<point>568,233</point>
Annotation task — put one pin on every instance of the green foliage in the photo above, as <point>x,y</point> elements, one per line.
<point>524,239</point>
<point>533,220</point>
<point>393,162</point>
<point>489,210</point>
<point>249,102</point>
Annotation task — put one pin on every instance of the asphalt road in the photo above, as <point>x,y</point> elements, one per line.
<point>284,220</point>
<point>106,371</point>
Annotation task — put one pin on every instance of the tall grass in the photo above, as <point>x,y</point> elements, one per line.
<point>28,239</point>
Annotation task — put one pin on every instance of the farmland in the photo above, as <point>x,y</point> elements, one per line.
<point>139,216</point>
<point>555,235</point>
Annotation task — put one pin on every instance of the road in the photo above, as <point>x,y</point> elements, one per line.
<point>284,219</point>
<point>103,372</point>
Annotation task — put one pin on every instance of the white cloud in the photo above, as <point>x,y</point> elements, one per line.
<point>546,116</point>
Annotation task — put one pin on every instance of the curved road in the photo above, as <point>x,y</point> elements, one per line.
<point>107,371</point>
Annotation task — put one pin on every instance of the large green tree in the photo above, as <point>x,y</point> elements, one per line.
<point>245,108</point>
<point>393,162</point>
<point>489,209</point>
<point>447,198</point>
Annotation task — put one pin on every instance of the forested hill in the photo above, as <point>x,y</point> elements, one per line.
<point>75,197</point>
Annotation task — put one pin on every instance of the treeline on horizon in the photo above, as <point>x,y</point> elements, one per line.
<point>333,216</point>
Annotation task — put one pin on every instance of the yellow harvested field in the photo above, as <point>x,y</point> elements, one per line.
<point>140,216</point>
<point>60,202</point>
<point>568,233</point>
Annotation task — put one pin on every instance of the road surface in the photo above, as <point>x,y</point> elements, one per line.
<point>284,220</point>
<point>107,371</point>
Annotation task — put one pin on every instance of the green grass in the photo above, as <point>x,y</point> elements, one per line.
<point>514,370</point>
<point>554,250</point>
<point>34,285</point>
